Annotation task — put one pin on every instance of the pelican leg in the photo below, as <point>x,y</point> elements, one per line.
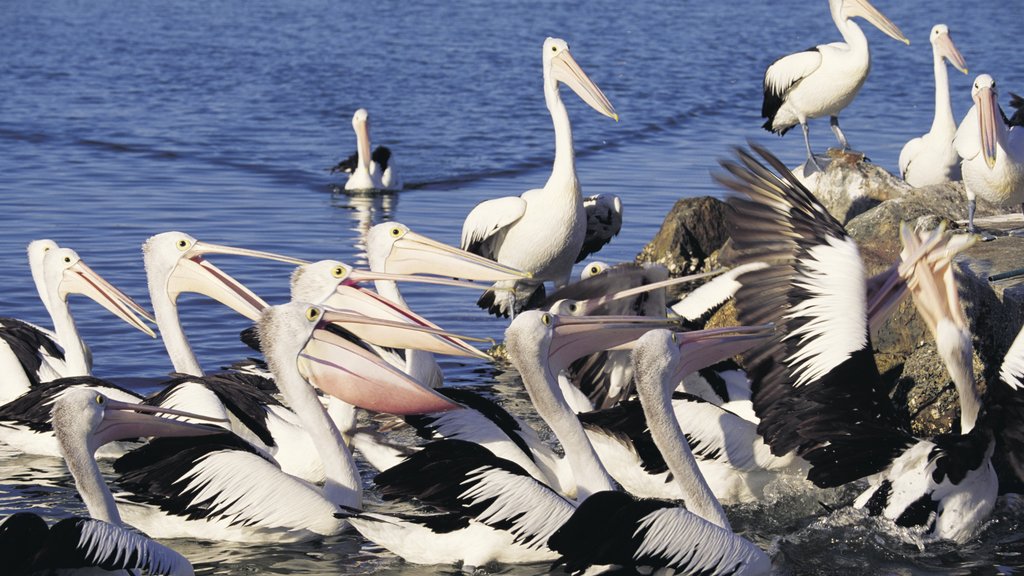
<point>807,142</point>
<point>834,122</point>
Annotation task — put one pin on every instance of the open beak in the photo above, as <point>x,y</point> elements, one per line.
<point>354,375</point>
<point>864,9</point>
<point>948,50</point>
<point>565,70</point>
<point>577,336</point>
<point>416,254</point>
<point>194,273</point>
<point>985,100</point>
<point>387,324</point>
<point>701,348</point>
<point>124,421</point>
<point>81,279</point>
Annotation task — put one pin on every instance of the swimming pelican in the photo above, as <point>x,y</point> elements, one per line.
<point>221,488</point>
<point>992,152</point>
<point>825,79</point>
<point>542,231</point>
<point>932,158</point>
<point>817,387</point>
<point>29,355</point>
<point>497,512</point>
<point>100,544</point>
<point>368,171</point>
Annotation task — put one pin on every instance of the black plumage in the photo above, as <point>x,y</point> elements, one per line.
<point>26,341</point>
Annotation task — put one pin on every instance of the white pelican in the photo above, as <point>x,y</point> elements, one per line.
<point>221,488</point>
<point>825,79</point>
<point>30,355</point>
<point>818,389</point>
<point>992,152</point>
<point>542,231</point>
<point>932,158</point>
<point>497,512</point>
<point>101,544</point>
<point>613,528</point>
<point>366,171</point>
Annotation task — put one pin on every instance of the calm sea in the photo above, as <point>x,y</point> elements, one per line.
<point>123,119</point>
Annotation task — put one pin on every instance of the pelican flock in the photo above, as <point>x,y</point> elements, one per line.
<point>643,425</point>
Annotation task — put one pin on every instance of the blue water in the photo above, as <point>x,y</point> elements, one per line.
<point>121,119</point>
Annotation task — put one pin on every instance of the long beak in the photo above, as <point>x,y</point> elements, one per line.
<point>985,100</point>
<point>416,254</point>
<point>379,321</point>
<point>203,248</point>
<point>196,274</point>
<point>587,307</point>
<point>361,276</point>
<point>930,278</point>
<point>565,70</point>
<point>354,375</point>
<point>79,278</point>
<point>946,48</point>
<point>124,421</point>
<point>864,9</point>
<point>574,337</point>
<point>702,348</point>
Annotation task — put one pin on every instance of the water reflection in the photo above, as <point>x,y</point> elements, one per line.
<point>368,208</point>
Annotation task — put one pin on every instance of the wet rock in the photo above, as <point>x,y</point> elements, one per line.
<point>689,238</point>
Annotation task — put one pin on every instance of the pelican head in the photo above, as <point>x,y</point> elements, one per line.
<point>942,44</point>
<point>36,250</point>
<point>847,9</point>
<point>335,285</point>
<point>560,66</point>
<point>395,249</point>
<point>175,263</point>
<point>85,413</point>
<point>593,269</point>
<point>66,273</point>
<point>298,336</point>
<point>986,100</point>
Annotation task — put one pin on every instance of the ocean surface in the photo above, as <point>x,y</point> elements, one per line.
<point>220,118</point>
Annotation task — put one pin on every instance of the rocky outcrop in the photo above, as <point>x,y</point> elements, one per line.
<point>872,204</point>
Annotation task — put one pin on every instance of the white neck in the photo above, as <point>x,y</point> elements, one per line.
<point>343,485</point>
<point>171,332</point>
<point>563,173</point>
<point>88,480</point>
<point>671,442</point>
<point>590,474</point>
<point>956,349</point>
<point>39,278</point>
<point>75,359</point>
<point>419,364</point>
<point>852,35</point>
<point>943,124</point>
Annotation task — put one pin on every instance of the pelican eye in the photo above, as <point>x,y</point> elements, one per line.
<point>312,313</point>
<point>67,259</point>
<point>183,244</point>
<point>573,307</point>
<point>396,232</point>
<point>338,272</point>
<point>594,270</point>
<point>99,398</point>
<point>546,319</point>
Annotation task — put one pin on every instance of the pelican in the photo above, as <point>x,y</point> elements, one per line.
<point>825,79</point>
<point>368,171</point>
<point>222,488</point>
<point>817,387</point>
<point>932,158</point>
<point>28,354</point>
<point>499,513</point>
<point>542,231</point>
<point>992,152</point>
<point>100,544</point>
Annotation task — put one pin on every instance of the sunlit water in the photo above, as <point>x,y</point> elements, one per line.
<point>121,119</point>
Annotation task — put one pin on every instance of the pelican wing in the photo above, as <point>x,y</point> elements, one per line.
<point>1005,404</point>
<point>604,220</point>
<point>781,76</point>
<point>485,226</point>
<point>698,306</point>
<point>466,478</point>
<point>32,409</point>
<point>910,151</point>
<point>1012,369</point>
<point>32,346</point>
<point>968,139</point>
<point>641,536</point>
<point>816,379</point>
<point>84,542</point>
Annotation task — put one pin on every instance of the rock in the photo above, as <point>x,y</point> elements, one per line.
<point>689,238</point>
<point>850,185</point>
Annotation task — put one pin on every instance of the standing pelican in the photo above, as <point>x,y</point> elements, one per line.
<point>992,152</point>
<point>825,79</point>
<point>932,158</point>
<point>543,230</point>
<point>368,171</point>
<point>84,421</point>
